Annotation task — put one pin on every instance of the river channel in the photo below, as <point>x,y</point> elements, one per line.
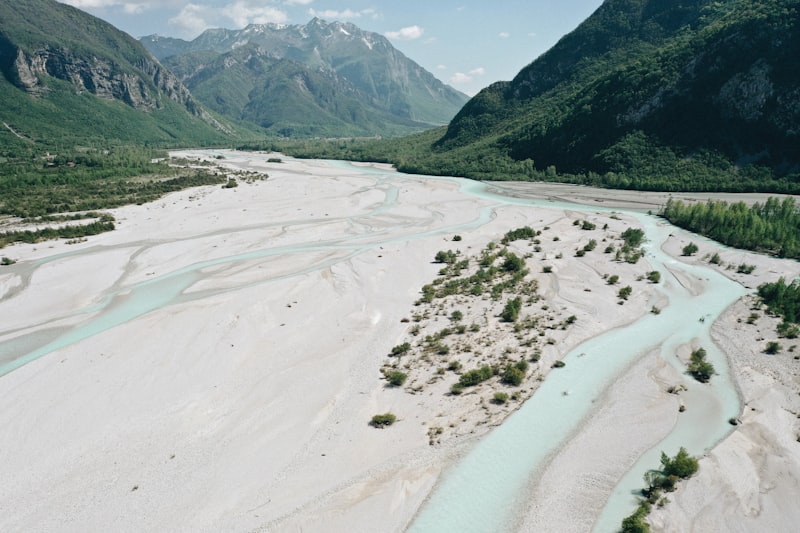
<point>483,491</point>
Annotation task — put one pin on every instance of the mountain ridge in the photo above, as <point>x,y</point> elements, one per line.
<point>401,95</point>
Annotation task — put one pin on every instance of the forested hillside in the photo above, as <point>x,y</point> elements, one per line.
<point>68,78</point>
<point>647,94</point>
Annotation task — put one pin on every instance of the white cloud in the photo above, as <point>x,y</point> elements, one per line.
<point>193,19</point>
<point>244,12</point>
<point>504,35</point>
<point>299,2</point>
<point>406,34</point>
<point>459,77</point>
<point>441,67</point>
<point>332,14</point>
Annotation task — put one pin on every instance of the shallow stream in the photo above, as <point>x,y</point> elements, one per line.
<point>482,492</point>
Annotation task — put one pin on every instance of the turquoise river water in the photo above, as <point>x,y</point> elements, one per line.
<point>485,490</point>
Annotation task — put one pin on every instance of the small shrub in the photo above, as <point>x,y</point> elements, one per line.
<point>511,310</point>
<point>613,279</point>
<point>633,237</point>
<point>475,376</point>
<point>381,421</point>
<point>448,257</point>
<point>715,259</point>
<point>699,368</point>
<point>559,364</point>
<point>690,249</point>
<point>547,269</point>
<point>773,348</point>
<point>745,269</point>
<point>456,238</point>
<point>513,376</point>
<point>654,276</point>
<point>625,292</point>
<point>788,330</point>
<point>682,465</point>
<point>513,263</point>
<point>588,226</point>
<point>500,398</point>
<point>396,378</point>
<point>525,232</point>
<point>456,315</point>
<point>401,349</point>
<point>6,261</point>
<point>231,184</point>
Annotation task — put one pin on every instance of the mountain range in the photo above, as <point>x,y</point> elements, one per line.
<point>322,79</point>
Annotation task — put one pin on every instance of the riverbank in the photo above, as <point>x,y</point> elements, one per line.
<point>749,482</point>
<point>252,389</point>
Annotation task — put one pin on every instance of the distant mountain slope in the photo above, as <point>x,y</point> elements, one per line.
<point>66,75</point>
<point>652,88</point>
<point>354,81</point>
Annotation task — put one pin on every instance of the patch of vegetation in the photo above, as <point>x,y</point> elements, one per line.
<point>396,378</point>
<point>690,249</point>
<point>673,469</point>
<point>448,257</point>
<point>500,398</point>
<point>401,349</point>
<point>511,310</point>
<point>770,227</point>
<point>525,232</point>
<point>699,368</point>
<point>66,232</point>
<point>782,299</point>
<point>744,268</point>
<point>515,374</point>
<point>773,347</point>
<point>382,421</point>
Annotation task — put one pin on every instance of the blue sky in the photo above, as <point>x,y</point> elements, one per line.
<point>466,43</point>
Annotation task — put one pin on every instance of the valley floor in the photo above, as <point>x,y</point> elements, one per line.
<point>214,362</point>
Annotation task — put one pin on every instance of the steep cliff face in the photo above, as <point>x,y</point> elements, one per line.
<point>49,51</point>
<point>142,87</point>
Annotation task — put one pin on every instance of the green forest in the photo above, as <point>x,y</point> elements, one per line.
<point>782,299</point>
<point>772,227</point>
